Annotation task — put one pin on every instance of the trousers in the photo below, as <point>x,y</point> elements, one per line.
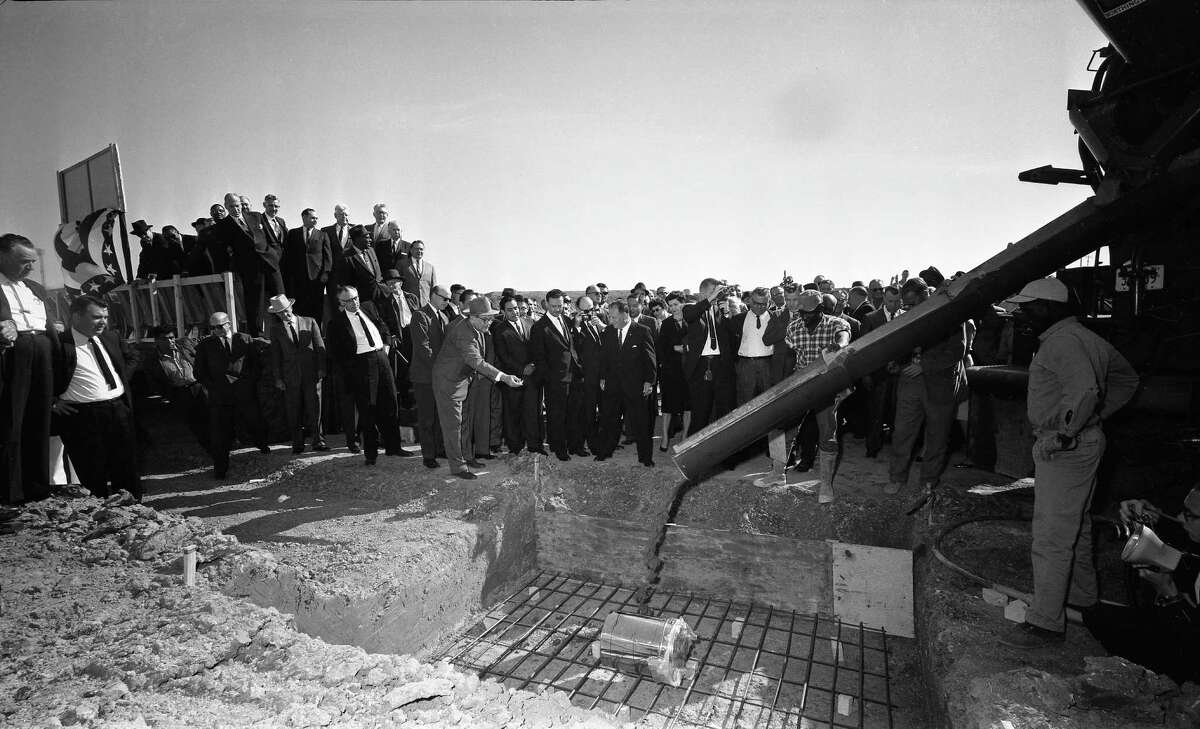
<point>919,403</point>
<point>1063,570</point>
<point>99,440</point>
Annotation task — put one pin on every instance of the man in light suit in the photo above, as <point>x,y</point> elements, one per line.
<point>307,263</point>
<point>227,365</point>
<point>555,365</point>
<point>255,258</point>
<point>628,371</point>
<point>339,240</point>
<point>428,329</point>
<point>462,358</point>
<point>419,275</point>
<point>377,231</point>
<point>92,406</point>
<point>298,356</point>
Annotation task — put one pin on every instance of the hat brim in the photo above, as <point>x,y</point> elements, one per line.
<point>272,310</point>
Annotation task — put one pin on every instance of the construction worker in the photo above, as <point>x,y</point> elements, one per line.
<point>1076,381</point>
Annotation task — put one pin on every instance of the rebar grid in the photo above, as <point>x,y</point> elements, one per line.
<point>752,665</point>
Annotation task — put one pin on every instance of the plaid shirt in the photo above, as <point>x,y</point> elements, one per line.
<point>808,345</point>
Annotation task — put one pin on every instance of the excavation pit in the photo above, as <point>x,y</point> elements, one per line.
<point>751,666</point>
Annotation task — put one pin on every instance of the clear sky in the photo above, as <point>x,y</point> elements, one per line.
<point>544,145</point>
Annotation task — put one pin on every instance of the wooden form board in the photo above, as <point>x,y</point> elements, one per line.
<point>873,586</point>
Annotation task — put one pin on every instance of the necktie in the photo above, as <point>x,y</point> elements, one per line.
<point>104,368</point>
<point>366,331</point>
<point>225,344</point>
<point>621,337</point>
<point>712,330</point>
<point>341,235</point>
<point>757,321</point>
<point>292,331</point>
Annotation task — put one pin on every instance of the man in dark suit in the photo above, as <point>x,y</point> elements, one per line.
<point>172,257</point>
<point>555,365</point>
<point>255,258</point>
<point>274,225</point>
<point>307,263</point>
<point>26,375</point>
<point>92,407</point>
<point>357,339</point>
<point>462,358</point>
<point>881,384</point>
<point>396,308</point>
<point>510,334</point>
<point>392,249</point>
<point>200,260</point>
<point>706,363</point>
<point>359,267</point>
<point>857,304</point>
<point>628,370</point>
<point>583,399</point>
<point>298,356</point>
<point>428,331</point>
<point>419,275</point>
<point>228,365</point>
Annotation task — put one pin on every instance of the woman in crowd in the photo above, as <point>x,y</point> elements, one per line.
<point>676,411</point>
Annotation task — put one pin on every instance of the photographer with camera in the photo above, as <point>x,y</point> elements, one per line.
<point>1162,633</point>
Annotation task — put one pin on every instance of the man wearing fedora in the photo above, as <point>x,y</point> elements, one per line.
<point>151,250</point>
<point>227,365</point>
<point>298,356</point>
<point>1076,381</point>
<point>462,358</point>
<point>428,330</point>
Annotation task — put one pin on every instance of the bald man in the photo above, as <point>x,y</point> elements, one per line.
<point>227,365</point>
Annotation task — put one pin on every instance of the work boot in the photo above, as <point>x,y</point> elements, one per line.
<point>827,463</point>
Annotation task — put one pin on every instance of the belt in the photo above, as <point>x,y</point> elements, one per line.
<point>95,403</point>
<point>30,333</point>
<point>709,356</point>
<point>760,356</point>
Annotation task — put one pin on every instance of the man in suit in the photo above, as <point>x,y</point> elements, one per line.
<point>377,232</point>
<point>228,365</point>
<point>419,275</point>
<point>428,331</point>
<point>636,302</point>
<point>462,358</point>
<point>200,261</point>
<point>706,363</point>
<point>357,340</point>
<point>255,258</point>
<point>392,249</point>
<point>172,256</point>
<point>479,393</point>
<point>881,384</point>
<point>92,406</point>
<point>583,399</point>
<point>307,263</point>
<point>510,334</point>
<point>338,235</point>
<point>360,268</point>
<point>274,225</point>
<point>397,308</point>
<point>857,305</point>
<point>783,364</point>
<point>628,370</point>
<point>298,356</point>
<point>26,375</point>
<point>555,365</point>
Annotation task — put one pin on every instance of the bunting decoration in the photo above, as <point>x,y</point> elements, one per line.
<point>89,254</point>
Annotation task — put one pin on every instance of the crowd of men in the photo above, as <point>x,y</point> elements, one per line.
<point>361,333</point>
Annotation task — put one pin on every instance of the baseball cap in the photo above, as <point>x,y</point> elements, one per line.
<point>1045,289</point>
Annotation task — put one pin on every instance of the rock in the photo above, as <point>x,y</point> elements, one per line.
<point>81,713</point>
<point>418,691</point>
<point>168,539</point>
<point>1114,684</point>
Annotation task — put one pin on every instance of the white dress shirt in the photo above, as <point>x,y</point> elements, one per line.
<point>558,324</point>
<point>362,346</point>
<point>752,333</point>
<point>623,332</point>
<point>28,312</point>
<point>88,383</point>
<point>711,336</point>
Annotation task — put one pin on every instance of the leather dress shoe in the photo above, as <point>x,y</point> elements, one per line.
<point>264,449</point>
<point>431,463</point>
<point>474,464</point>
<point>401,453</point>
<point>466,475</point>
<point>562,456</point>
<point>647,463</point>
<point>353,448</point>
<point>297,449</point>
<point>320,446</point>
<point>582,453</point>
